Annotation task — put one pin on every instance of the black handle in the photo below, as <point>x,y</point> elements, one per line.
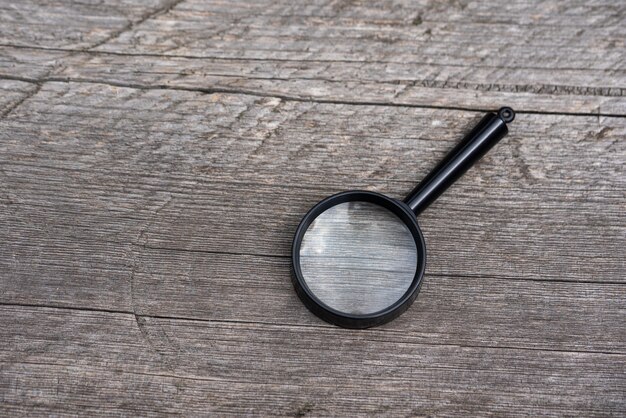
<point>491,129</point>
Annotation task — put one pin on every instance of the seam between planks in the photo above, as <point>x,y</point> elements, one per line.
<point>253,93</point>
<point>287,257</point>
<point>174,177</point>
<point>287,325</point>
<point>88,51</point>
<point>465,276</point>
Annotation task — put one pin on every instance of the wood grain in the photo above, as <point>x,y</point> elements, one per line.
<point>241,183</point>
<point>156,158</point>
<point>75,24</point>
<point>536,57</point>
<point>422,85</point>
<point>84,359</point>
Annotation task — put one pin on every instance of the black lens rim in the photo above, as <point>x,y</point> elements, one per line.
<point>334,316</point>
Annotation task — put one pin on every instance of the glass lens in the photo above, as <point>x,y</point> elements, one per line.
<point>358,257</point>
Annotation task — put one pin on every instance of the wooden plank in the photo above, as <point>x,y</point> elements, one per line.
<point>76,362</point>
<point>189,171</point>
<point>272,79</point>
<point>393,83</point>
<point>413,84</point>
<point>93,258</point>
<point>454,310</point>
<point>83,271</point>
<point>537,58</point>
<point>397,52</point>
<point>388,31</point>
<point>375,83</point>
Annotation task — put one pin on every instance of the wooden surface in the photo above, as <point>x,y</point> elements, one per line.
<point>157,156</point>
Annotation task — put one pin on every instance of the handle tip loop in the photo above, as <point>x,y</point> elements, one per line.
<point>506,114</point>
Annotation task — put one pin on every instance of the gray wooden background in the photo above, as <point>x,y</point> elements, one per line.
<point>156,157</point>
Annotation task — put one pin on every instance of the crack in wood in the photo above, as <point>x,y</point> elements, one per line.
<point>209,90</point>
<point>139,319</point>
<point>18,103</point>
<point>167,6</point>
<point>91,52</point>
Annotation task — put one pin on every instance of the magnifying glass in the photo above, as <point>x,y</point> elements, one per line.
<point>358,257</point>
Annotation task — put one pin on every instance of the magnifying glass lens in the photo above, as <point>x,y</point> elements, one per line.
<point>358,258</point>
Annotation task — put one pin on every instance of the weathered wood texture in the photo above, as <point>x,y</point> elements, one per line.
<point>156,157</point>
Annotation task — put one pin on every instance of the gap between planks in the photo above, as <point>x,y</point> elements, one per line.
<point>88,51</point>
<point>204,90</point>
<point>287,257</point>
